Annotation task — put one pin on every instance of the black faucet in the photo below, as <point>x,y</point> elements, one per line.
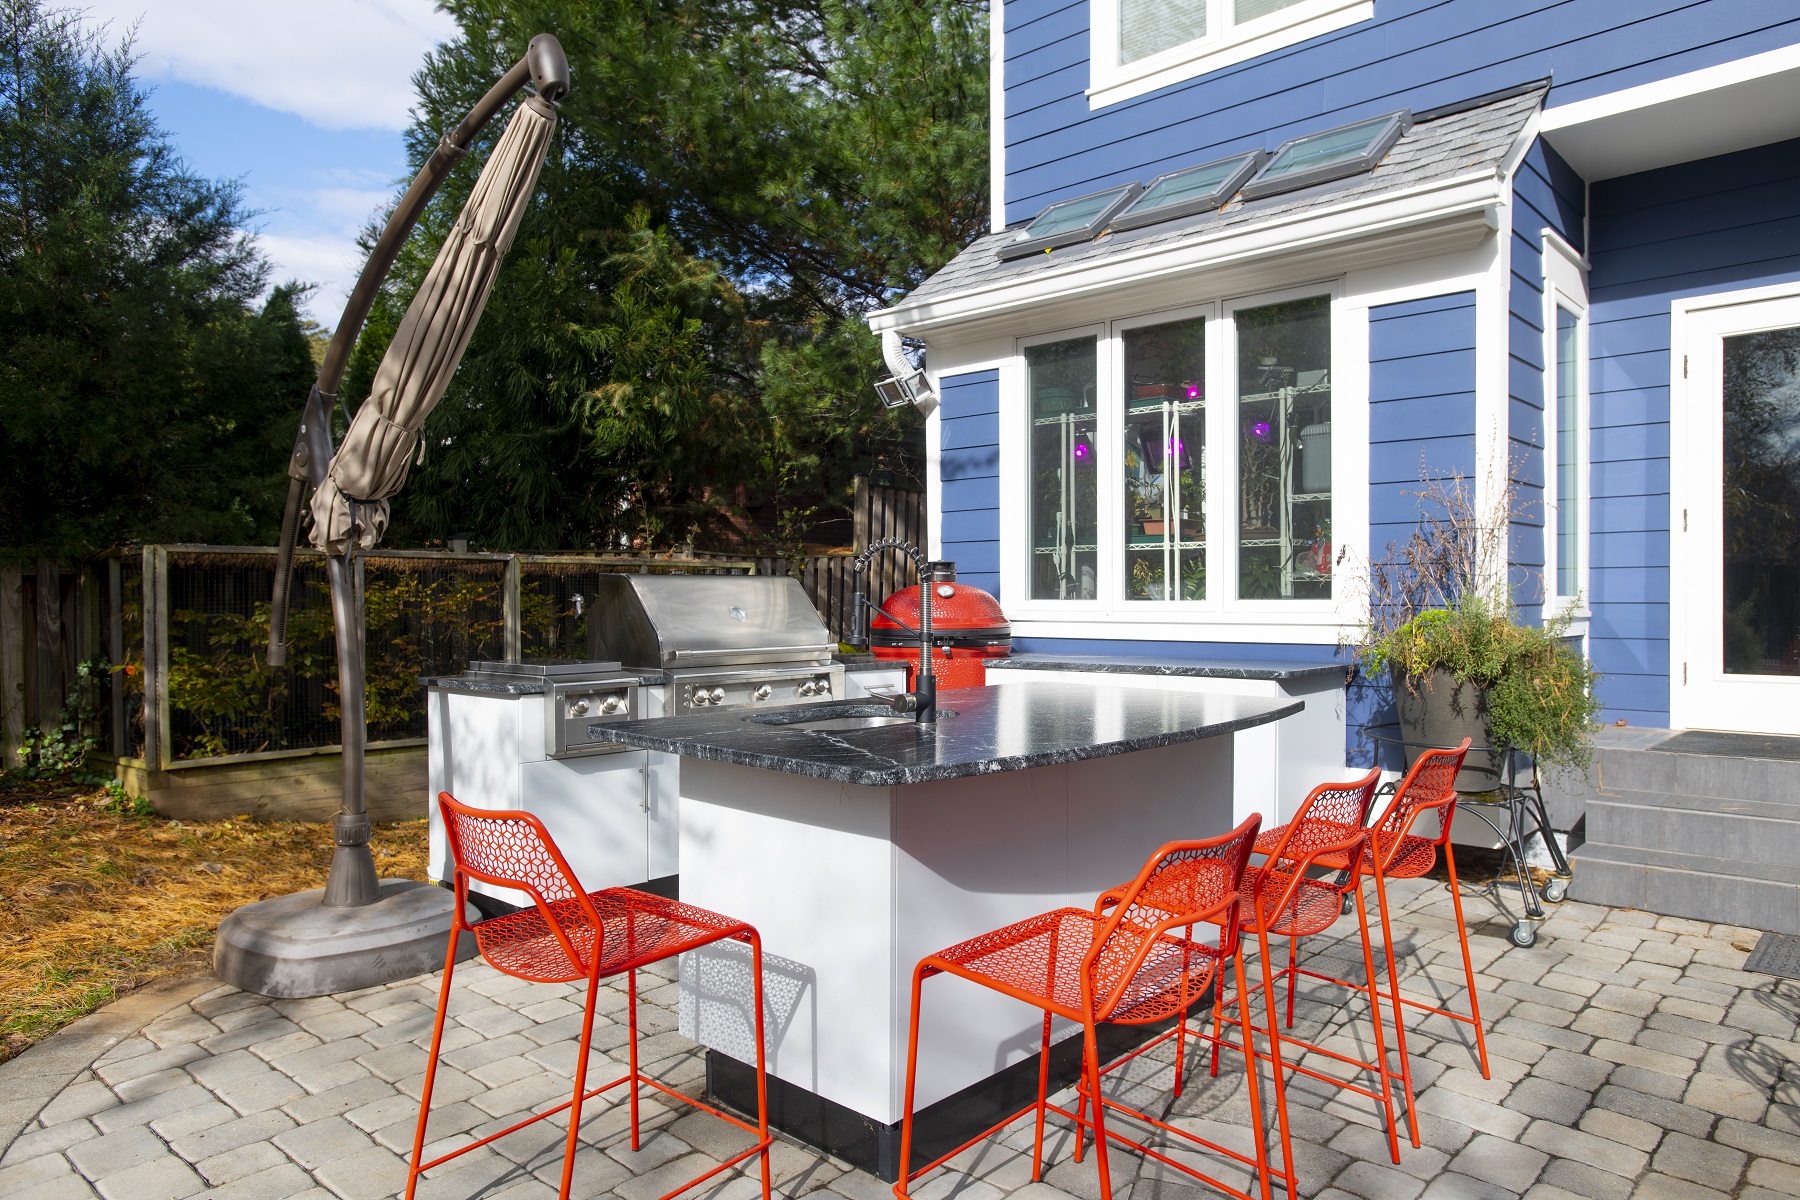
<point>922,700</point>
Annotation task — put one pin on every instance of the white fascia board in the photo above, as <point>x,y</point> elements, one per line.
<point>1747,102</point>
<point>1475,194</point>
<point>996,117</point>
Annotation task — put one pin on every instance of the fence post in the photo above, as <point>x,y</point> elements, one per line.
<point>158,737</point>
<point>49,644</point>
<point>12,665</point>
<point>115,651</point>
<point>510,609</point>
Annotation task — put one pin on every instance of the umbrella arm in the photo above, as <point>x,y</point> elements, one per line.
<point>352,881</point>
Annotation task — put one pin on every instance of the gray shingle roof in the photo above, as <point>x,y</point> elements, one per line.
<point>1437,149</point>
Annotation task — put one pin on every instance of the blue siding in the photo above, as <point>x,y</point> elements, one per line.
<point>1421,421</point>
<point>1415,53</point>
<point>1547,194</point>
<point>1717,225</point>
<point>969,474</point>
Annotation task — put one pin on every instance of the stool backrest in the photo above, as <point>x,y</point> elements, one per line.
<point>1430,785</point>
<point>1183,884</point>
<point>1330,822</point>
<point>512,849</point>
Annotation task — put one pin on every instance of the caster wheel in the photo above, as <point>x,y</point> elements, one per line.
<point>1524,935</point>
<point>1349,906</point>
<point>1555,890</point>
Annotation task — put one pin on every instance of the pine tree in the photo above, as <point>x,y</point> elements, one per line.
<point>140,382</point>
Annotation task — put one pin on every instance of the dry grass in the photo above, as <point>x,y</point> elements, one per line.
<point>94,903</point>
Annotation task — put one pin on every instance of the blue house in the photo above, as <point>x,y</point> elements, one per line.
<point>1556,241</point>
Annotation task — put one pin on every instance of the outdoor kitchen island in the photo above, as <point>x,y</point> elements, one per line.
<point>858,848</point>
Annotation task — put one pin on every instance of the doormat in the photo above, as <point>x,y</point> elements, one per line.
<point>1733,745</point>
<point>1775,954</point>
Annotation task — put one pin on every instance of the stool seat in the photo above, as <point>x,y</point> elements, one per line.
<point>637,928</point>
<point>1040,960</point>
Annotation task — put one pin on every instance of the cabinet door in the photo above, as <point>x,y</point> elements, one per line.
<point>594,808</point>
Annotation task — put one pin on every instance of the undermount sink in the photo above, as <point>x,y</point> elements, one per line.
<point>837,716</point>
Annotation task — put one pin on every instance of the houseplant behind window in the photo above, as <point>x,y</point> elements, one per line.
<point>1443,624</point>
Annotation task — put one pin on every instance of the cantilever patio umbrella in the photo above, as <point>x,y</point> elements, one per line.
<point>360,930</point>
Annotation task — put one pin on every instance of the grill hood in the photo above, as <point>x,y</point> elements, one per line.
<point>672,621</point>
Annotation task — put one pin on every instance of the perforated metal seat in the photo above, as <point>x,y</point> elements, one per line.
<point>568,935</point>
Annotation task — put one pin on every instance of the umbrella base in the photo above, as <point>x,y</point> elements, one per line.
<point>293,946</point>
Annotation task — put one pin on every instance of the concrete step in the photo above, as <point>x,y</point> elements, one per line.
<point>1758,895</point>
<point>1746,830</point>
<point>1634,769</point>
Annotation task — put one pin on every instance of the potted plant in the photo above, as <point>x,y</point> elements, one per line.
<point>1444,625</point>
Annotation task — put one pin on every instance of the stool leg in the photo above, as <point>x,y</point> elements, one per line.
<point>437,1040</point>
<point>1037,1144</point>
<point>1281,1113</point>
<point>1293,976</point>
<point>581,1061</point>
<point>1091,1051</point>
<point>1374,990</point>
<point>762,1076</point>
<point>912,1075</point>
<point>631,1007</point>
<point>1462,933</point>
<point>1219,1018</point>
<point>1387,939</point>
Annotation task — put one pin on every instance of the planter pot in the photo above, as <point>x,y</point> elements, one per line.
<point>1437,711</point>
<point>1155,527</point>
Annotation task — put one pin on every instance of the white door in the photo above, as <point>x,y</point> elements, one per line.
<point>1735,458</point>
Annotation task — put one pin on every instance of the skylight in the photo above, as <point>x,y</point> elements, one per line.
<point>1334,154</point>
<point>1190,190</point>
<point>1069,221</point>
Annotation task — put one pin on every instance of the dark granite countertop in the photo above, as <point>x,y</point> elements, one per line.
<point>994,729</point>
<point>1211,668</point>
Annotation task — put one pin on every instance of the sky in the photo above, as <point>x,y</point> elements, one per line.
<point>303,101</point>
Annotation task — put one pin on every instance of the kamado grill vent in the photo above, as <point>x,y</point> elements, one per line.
<point>967,629</point>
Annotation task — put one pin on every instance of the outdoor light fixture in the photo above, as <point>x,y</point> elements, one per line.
<point>904,383</point>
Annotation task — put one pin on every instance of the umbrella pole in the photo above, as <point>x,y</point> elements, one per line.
<point>352,881</point>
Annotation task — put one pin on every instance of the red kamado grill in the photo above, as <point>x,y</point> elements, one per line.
<point>967,629</point>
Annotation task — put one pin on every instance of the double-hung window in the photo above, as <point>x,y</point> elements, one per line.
<point>1565,427</point>
<point>1140,45</point>
<point>1180,464</point>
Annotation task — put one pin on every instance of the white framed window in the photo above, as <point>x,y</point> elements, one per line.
<point>1566,426</point>
<point>1138,46</point>
<point>1178,466</point>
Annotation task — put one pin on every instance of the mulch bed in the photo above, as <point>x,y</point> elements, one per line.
<point>95,901</point>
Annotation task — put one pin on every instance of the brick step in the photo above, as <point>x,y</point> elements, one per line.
<point>1758,895</point>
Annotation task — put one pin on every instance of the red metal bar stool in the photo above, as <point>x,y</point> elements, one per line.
<point>1395,852</point>
<point>1289,901</point>
<point>1123,962</point>
<point>569,935</point>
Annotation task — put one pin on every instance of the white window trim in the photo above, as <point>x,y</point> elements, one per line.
<point>1221,616</point>
<point>1109,81</point>
<point>1565,287</point>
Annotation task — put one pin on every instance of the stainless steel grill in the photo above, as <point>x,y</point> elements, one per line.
<point>580,698</point>
<point>719,641</point>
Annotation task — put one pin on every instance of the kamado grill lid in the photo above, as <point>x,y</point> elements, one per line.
<point>960,614</point>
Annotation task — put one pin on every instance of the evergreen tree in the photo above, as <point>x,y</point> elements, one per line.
<point>680,325</point>
<point>144,394</point>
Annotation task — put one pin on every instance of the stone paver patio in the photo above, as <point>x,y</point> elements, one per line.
<point>1631,1057</point>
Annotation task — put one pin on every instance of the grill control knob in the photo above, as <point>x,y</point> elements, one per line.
<point>824,687</point>
<point>612,705</point>
<point>579,708</point>
<point>763,692</point>
<point>717,695</point>
<point>806,689</point>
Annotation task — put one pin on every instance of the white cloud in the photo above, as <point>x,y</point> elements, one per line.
<point>341,64</point>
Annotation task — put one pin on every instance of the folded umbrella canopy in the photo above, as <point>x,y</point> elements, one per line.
<point>360,930</point>
<point>370,467</point>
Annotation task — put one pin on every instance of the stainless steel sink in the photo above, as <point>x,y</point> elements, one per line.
<point>852,722</point>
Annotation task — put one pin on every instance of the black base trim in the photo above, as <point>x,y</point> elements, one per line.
<point>874,1146</point>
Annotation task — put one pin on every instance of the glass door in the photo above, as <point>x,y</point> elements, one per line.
<point>1737,585</point>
